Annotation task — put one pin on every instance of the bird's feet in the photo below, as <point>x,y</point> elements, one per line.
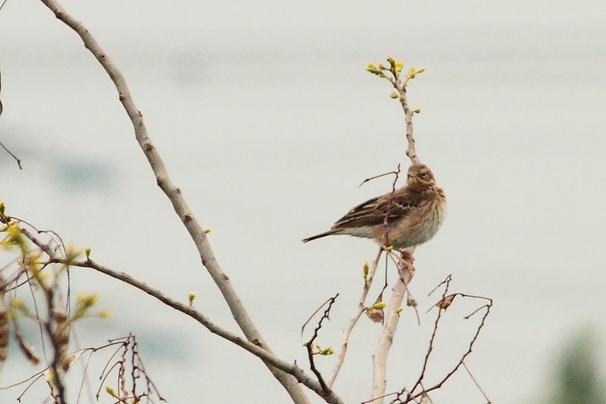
<point>406,261</point>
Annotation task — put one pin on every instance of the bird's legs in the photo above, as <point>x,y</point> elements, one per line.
<point>407,260</point>
<point>405,263</point>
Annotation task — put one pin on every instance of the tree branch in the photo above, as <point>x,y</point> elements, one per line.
<point>379,360</point>
<point>310,344</point>
<point>173,193</point>
<point>410,151</point>
<point>392,73</point>
<point>400,86</point>
<point>255,349</point>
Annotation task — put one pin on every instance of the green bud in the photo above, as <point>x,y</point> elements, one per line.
<point>111,392</point>
<point>372,68</point>
<point>399,66</point>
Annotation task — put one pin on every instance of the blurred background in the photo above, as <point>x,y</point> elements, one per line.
<point>268,122</point>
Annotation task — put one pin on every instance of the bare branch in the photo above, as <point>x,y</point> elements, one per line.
<point>379,360</point>
<point>268,357</point>
<point>128,347</point>
<point>488,306</point>
<point>476,383</point>
<point>173,193</point>
<point>309,345</point>
<point>400,86</point>
<point>328,301</point>
<point>441,309</point>
<point>442,305</point>
<point>8,151</point>
<point>396,173</point>
<point>411,151</point>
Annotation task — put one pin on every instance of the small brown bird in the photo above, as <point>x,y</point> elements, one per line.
<point>407,217</point>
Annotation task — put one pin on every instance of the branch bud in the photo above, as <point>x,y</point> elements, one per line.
<point>399,66</point>
<point>374,70</point>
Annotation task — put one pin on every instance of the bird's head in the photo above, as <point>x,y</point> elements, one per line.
<point>420,177</point>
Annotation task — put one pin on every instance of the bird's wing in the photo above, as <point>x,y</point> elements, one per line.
<point>373,212</point>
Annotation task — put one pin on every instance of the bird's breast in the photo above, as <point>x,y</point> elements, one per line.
<point>420,226</point>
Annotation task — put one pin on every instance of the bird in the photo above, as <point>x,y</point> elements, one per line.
<point>404,218</point>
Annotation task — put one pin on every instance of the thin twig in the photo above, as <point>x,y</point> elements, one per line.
<point>446,282</point>
<point>442,305</point>
<point>10,153</point>
<point>309,344</point>
<point>352,323</point>
<point>466,354</point>
<point>55,365</point>
<point>476,383</point>
<point>397,172</point>
<point>328,301</point>
<point>410,151</point>
<point>400,86</point>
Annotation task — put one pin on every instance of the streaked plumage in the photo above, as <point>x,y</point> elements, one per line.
<point>407,217</point>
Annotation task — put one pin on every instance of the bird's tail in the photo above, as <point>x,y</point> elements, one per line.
<point>317,236</point>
